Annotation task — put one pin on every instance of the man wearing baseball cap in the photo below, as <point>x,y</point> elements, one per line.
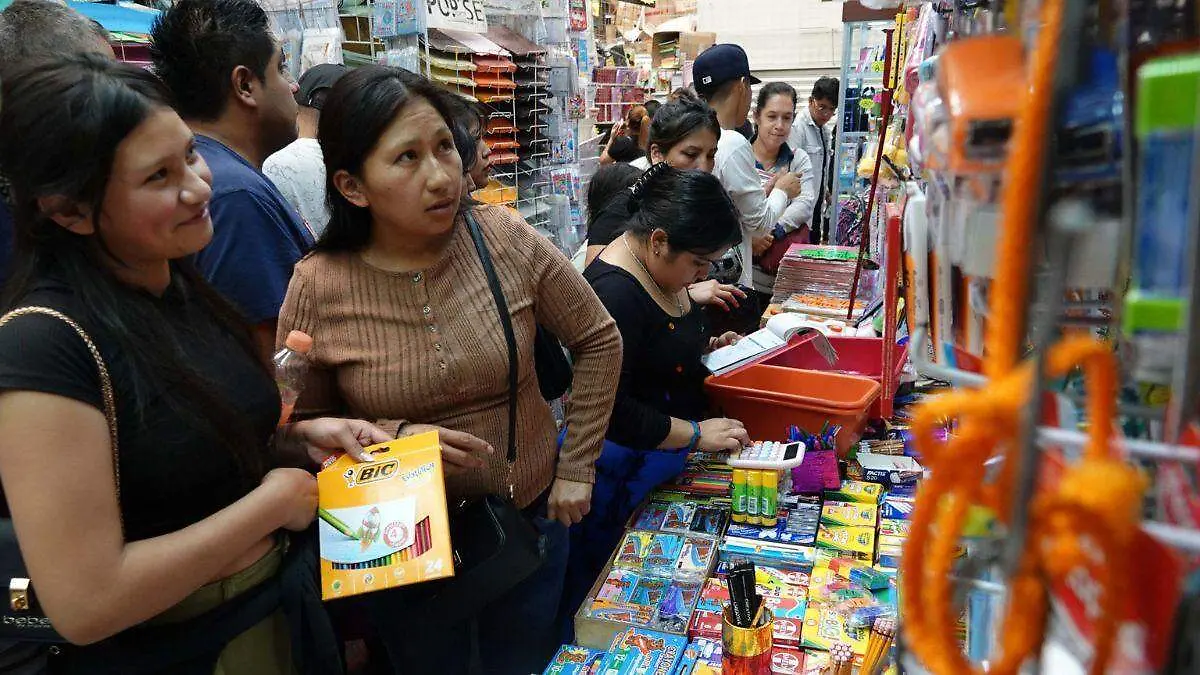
<point>298,170</point>
<point>721,75</point>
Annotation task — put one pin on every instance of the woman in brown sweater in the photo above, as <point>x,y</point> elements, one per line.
<point>406,331</point>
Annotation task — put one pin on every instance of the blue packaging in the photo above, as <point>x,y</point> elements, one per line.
<point>572,660</point>
<point>638,651</point>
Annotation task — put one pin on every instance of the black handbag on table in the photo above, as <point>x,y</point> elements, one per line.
<point>495,545</point>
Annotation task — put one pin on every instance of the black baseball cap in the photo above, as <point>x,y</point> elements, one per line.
<point>719,64</point>
<point>320,76</point>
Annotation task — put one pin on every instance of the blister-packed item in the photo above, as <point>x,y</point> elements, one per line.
<point>651,516</point>
<point>648,591</point>
<point>663,553</point>
<point>634,548</point>
<point>679,517</point>
<point>696,557</point>
<point>710,520</point>
<point>617,587</point>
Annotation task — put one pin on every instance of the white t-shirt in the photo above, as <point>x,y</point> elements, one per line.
<point>298,171</point>
<point>642,163</point>
<point>735,168</point>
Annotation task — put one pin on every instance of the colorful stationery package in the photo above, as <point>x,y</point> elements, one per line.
<point>383,523</point>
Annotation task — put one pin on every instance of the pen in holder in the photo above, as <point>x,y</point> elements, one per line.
<point>746,651</point>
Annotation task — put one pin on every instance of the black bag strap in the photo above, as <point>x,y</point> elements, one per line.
<point>505,323</point>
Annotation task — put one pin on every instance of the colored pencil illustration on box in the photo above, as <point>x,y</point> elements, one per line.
<point>383,523</point>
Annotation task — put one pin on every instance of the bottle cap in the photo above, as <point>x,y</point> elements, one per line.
<point>299,341</point>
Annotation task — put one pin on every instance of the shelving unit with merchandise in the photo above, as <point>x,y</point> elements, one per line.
<point>861,80</point>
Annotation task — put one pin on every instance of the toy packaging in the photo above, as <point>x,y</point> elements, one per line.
<point>633,549</point>
<point>572,660</point>
<point>709,520</point>
<point>618,587</point>
<point>638,651</point>
<point>663,553</point>
<point>383,523</point>
<point>651,517</point>
<point>696,557</point>
<point>679,517</point>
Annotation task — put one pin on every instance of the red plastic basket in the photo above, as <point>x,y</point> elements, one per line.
<point>857,356</point>
<point>769,399</point>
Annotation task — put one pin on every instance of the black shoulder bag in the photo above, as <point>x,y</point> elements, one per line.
<point>496,547</point>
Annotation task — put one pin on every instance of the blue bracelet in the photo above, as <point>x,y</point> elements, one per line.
<point>691,446</point>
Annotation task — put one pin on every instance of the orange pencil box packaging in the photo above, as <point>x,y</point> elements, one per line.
<point>383,523</point>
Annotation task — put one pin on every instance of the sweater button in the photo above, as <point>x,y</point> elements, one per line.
<point>438,348</point>
<point>417,278</point>
<point>432,329</point>
<point>442,365</point>
<point>426,310</point>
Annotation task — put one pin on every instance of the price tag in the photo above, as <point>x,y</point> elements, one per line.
<point>466,15</point>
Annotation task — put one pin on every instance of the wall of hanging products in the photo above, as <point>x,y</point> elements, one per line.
<point>1067,551</point>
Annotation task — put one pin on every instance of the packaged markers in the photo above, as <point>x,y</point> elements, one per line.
<point>651,517</point>
<point>383,523</point>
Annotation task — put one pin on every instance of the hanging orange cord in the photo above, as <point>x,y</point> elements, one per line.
<point>1097,500</point>
<point>1023,179</point>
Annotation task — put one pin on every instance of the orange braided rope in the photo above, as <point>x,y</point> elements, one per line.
<point>1023,177</point>
<point>1097,499</point>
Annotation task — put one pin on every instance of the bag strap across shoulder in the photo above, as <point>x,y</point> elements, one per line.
<point>506,324</point>
<point>106,387</point>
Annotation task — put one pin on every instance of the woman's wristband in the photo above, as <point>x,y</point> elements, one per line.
<point>695,442</point>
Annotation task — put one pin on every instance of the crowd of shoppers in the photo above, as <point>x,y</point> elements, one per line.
<point>175,225</point>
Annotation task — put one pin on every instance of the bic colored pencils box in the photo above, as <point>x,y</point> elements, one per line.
<point>643,652</point>
<point>572,660</point>
<point>383,523</point>
<point>858,542</point>
<point>849,513</point>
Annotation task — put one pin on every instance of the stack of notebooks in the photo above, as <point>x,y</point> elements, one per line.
<point>817,280</point>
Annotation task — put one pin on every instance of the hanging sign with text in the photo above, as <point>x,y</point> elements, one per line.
<point>466,15</point>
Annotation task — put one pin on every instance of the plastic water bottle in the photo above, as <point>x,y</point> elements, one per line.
<point>291,368</point>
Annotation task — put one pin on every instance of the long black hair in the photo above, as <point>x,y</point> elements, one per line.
<point>360,107</point>
<point>690,206</point>
<point>467,131</point>
<point>608,182</point>
<point>60,139</point>
<point>679,118</point>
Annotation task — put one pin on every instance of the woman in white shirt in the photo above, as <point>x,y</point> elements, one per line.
<point>773,117</point>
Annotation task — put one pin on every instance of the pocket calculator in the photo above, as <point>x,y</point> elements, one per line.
<point>768,455</point>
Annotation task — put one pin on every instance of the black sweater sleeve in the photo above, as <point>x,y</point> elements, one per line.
<point>634,423</point>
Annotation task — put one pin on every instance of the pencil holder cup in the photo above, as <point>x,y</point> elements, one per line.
<point>746,651</point>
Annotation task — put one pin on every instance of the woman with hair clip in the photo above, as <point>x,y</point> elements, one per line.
<point>180,493</point>
<point>773,117</point>
<point>681,222</point>
<point>407,331</point>
<point>684,135</point>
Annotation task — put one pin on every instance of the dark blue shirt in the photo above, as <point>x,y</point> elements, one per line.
<point>258,237</point>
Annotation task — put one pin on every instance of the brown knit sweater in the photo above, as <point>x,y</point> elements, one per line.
<point>426,346</point>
